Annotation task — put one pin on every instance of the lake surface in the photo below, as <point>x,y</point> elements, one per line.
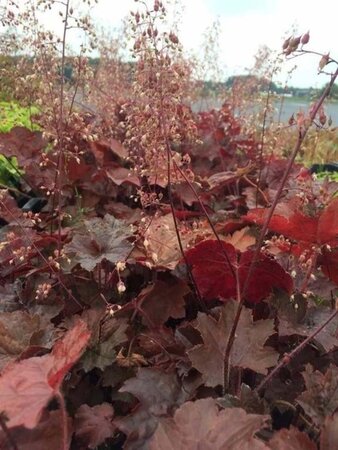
<point>290,106</point>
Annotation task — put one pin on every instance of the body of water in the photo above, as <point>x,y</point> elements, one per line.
<point>292,106</point>
<point>288,107</point>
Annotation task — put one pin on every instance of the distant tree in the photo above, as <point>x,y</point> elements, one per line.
<point>258,84</point>
<point>334,91</point>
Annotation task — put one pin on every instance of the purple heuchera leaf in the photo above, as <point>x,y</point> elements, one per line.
<point>100,239</point>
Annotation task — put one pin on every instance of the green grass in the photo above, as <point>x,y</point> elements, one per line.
<point>332,176</point>
<point>12,115</point>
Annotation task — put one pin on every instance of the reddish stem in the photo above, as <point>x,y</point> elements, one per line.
<point>287,358</point>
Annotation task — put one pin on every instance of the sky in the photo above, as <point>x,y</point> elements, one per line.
<point>245,26</point>
<point>251,23</point>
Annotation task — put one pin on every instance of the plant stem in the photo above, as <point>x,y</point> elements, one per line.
<point>169,159</point>
<point>205,212</point>
<point>60,130</point>
<point>287,358</point>
<point>227,367</point>
<point>191,277</point>
<point>261,150</point>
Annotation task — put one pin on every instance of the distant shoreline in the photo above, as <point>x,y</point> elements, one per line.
<point>307,99</point>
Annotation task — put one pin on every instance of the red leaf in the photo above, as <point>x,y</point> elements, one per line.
<point>201,425</point>
<point>107,151</point>
<point>320,398</point>
<point>248,351</point>
<point>329,434</point>
<point>24,391</point>
<point>9,209</point>
<point>287,220</point>
<point>320,230</point>
<point>311,319</point>
<point>221,179</point>
<point>329,264</point>
<point>18,330</point>
<point>121,175</point>
<point>94,424</point>
<point>328,224</point>
<point>77,170</point>
<point>211,269</point>
<point>158,393</point>
<point>215,279</point>
<point>290,221</point>
<point>291,439</point>
<point>67,351</point>
<point>267,275</point>
<point>22,143</point>
<point>27,386</point>
<point>46,435</point>
<point>100,239</point>
<point>162,300</point>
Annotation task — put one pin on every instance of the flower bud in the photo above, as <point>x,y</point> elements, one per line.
<point>137,45</point>
<point>286,43</point>
<point>305,38</point>
<point>294,43</point>
<point>324,60</point>
<point>121,287</point>
<point>322,117</point>
<point>173,38</point>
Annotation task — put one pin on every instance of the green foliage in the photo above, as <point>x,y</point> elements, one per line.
<point>332,176</point>
<point>9,171</point>
<point>333,93</point>
<point>11,115</point>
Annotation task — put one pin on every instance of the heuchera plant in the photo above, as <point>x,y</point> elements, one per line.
<point>165,282</point>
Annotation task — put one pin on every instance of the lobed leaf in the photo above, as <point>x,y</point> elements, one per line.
<point>291,439</point>
<point>158,393</point>
<point>101,239</point>
<point>201,425</point>
<point>248,351</point>
<point>94,424</point>
<point>22,143</point>
<point>321,395</point>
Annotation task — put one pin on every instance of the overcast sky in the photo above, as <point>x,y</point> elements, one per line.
<point>246,25</point>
